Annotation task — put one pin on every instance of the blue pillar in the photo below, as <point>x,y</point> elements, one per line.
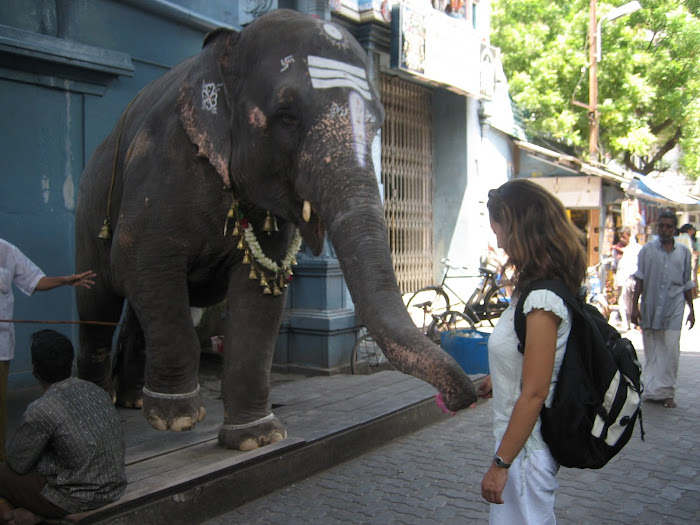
<point>318,330</point>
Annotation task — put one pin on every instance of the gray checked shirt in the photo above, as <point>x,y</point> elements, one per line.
<point>73,437</point>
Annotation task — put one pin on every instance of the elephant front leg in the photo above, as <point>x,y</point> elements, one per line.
<point>171,397</point>
<point>251,334</point>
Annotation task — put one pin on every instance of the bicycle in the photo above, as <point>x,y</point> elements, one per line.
<point>487,302</point>
<point>446,321</point>
<point>366,354</point>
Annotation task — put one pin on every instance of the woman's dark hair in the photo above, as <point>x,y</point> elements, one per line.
<point>541,242</point>
<point>52,356</point>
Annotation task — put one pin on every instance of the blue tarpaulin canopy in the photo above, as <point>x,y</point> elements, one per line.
<point>643,187</point>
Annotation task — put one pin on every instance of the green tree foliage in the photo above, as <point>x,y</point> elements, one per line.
<point>648,79</point>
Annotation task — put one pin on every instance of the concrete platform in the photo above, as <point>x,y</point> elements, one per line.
<point>186,478</point>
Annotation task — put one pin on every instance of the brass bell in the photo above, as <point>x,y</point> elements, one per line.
<point>275,290</point>
<point>105,232</point>
<point>253,273</point>
<point>263,281</point>
<point>268,225</point>
<point>230,212</point>
<point>241,244</point>
<point>266,290</point>
<point>246,257</point>
<point>236,229</point>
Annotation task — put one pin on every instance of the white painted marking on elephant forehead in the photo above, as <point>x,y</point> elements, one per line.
<point>338,111</point>
<point>333,31</point>
<point>210,96</point>
<point>268,417</point>
<point>326,73</point>
<point>286,61</point>
<point>357,117</point>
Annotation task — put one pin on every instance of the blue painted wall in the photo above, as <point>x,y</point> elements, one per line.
<point>51,125</point>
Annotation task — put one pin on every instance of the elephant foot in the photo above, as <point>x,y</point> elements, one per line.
<point>129,396</point>
<point>253,435</point>
<point>96,367</point>
<point>130,400</point>
<point>174,412</point>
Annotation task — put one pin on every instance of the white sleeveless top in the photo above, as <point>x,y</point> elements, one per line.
<point>506,363</point>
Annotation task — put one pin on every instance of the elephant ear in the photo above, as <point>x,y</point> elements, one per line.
<point>201,104</point>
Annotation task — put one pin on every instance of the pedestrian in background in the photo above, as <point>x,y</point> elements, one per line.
<point>67,454</point>
<point>665,285</point>
<point>688,236</point>
<point>16,268</point>
<point>532,226</point>
<point>625,282</point>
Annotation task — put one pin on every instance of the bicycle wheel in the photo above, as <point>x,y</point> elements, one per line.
<point>495,304</point>
<point>365,354</point>
<point>448,322</point>
<point>425,302</point>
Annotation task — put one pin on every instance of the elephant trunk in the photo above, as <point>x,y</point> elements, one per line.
<point>355,221</point>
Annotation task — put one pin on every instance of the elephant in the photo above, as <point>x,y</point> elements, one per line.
<point>213,176</point>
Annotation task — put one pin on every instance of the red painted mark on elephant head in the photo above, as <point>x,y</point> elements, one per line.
<point>257,118</point>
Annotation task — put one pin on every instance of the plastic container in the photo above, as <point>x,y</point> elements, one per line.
<point>469,348</point>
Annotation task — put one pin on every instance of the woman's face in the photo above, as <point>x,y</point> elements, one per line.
<point>500,235</point>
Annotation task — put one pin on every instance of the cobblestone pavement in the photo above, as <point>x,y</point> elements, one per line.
<point>433,476</point>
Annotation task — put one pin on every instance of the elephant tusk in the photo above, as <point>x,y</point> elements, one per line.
<point>306,211</point>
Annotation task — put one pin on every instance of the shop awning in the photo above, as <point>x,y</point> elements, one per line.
<point>643,187</point>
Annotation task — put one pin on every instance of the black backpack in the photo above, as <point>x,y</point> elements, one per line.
<point>597,397</point>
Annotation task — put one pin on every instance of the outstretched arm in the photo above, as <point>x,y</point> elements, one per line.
<point>86,279</point>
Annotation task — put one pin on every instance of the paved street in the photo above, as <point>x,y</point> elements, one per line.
<point>433,476</point>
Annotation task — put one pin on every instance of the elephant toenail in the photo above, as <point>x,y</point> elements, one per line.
<point>157,423</point>
<point>275,437</point>
<point>248,444</point>
<point>202,414</point>
<point>182,423</point>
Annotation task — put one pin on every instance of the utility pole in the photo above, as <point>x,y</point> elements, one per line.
<point>593,83</point>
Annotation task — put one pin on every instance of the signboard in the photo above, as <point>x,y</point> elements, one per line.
<point>429,44</point>
<point>574,192</point>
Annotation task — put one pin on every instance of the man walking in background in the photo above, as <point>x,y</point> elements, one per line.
<point>663,279</point>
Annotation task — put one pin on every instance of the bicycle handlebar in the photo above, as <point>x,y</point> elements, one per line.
<point>447,264</point>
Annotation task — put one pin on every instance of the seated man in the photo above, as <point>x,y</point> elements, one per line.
<point>67,455</point>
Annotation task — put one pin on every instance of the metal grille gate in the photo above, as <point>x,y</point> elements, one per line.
<point>407,175</point>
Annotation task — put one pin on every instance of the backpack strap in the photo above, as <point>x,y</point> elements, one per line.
<point>559,288</point>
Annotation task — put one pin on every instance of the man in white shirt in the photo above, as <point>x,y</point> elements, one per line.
<point>665,286</point>
<point>17,268</point>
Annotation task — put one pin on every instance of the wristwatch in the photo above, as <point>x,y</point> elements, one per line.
<point>499,462</point>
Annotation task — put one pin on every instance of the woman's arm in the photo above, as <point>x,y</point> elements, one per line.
<point>538,364</point>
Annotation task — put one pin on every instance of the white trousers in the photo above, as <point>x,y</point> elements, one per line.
<point>529,494</point>
<point>662,350</point>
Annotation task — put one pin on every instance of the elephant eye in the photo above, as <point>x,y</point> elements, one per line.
<point>288,119</point>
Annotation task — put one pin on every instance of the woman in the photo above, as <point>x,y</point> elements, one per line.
<point>532,227</point>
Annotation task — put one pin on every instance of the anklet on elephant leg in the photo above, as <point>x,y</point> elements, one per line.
<point>161,395</point>
<point>268,417</point>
